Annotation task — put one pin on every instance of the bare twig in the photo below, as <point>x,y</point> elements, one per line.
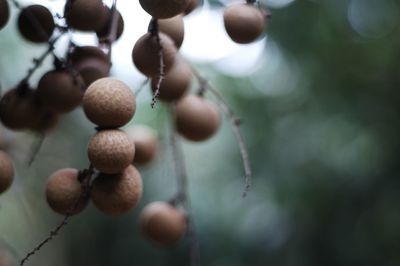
<point>141,86</point>
<point>182,195</point>
<point>84,177</point>
<point>35,147</point>
<point>112,30</point>
<point>235,122</point>
<point>154,29</point>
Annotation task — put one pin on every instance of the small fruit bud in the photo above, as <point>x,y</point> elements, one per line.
<point>111,151</point>
<point>175,83</point>
<point>146,144</point>
<point>4,13</point>
<point>164,8</point>
<point>146,57</point>
<point>196,118</point>
<point>60,91</point>
<point>90,62</point>
<point>118,193</point>
<point>174,28</point>
<point>36,23</point>
<point>6,171</point>
<point>244,23</point>
<point>109,103</point>
<point>162,223</point>
<point>86,15</point>
<point>64,190</point>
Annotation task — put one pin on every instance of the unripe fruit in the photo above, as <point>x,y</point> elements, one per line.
<point>174,28</point>
<point>90,62</point>
<point>175,83</point>
<point>64,190</point>
<point>193,4</point>
<point>197,119</point>
<point>60,91</point>
<point>109,103</point>
<point>103,32</point>
<point>118,193</point>
<point>4,13</point>
<point>146,57</point>
<point>18,109</point>
<point>111,151</point>
<point>146,144</point>
<point>244,23</point>
<point>164,8</point>
<point>162,223</point>
<point>36,23</point>
<point>6,171</point>
<point>86,15</point>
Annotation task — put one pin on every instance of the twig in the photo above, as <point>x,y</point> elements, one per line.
<point>182,195</point>
<point>84,177</point>
<point>35,147</point>
<point>235,122</point>
<point>154,29</point>
<point>113,29</point>
<point>141,86</point>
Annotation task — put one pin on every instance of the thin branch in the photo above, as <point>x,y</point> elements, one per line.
<point>84,177</point>
<point>35,147</point>
<point>182,195</point>
<point>235,122</point>
<point>112,30</point>
<point>141,86</point>
<point>154,29</point>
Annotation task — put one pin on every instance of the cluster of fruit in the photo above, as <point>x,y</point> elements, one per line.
<point>82,78</point>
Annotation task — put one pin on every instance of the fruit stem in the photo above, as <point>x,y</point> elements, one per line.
<point>154,30</point>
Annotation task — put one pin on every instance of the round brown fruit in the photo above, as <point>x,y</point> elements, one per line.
<point>145,54</point>
<point>36,23</point>
<point>6,171</point>
<point>103,33</point>
<point>197,119</point>
<point>86,15</point>
<point>244,23</point>
<point>109,103</point>
<point>111,151</point>
<point>164,8</point>
<point>146,144</point>
<point>90,62</point>
<point>193,4</point>
<point>162,223</point>
<point>4,13</point>
<point>175,83</point>
<point>174,28</point>
<point>18,109</point>
<point>63,191</point>
<point>117,194</point>
<point>60,91</point>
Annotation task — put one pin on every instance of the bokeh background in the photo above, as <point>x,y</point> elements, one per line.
<point>320,101</point>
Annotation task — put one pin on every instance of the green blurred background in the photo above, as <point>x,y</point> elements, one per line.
<point>321,120</point>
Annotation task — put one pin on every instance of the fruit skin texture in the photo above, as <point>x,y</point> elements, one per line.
<point>174,28</point>
<point>63,191</point>
<point>145,54</point>
<point>146,144</point>
<point>244,23</point>
<point>175,83</point>
<point>196,118</point>
<point>6,171</point>
<point>109,103</point>
<point>36,23</point>
<point>111,151</point>
<point>162,223</point>
<point>117,194</point>
<point>87,15</point>
<point>91,63</point>
<point>60,91</point>
<point>164,8</point>
<point>4,13</point>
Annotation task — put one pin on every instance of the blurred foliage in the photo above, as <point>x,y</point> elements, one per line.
<point>324,151</point>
